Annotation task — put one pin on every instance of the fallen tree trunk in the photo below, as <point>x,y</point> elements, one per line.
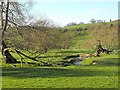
<point>8,57</point>
<point>20,53</point>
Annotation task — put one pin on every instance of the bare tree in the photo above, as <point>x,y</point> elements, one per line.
<point>93,20</point>
<point>11,13</point>
<point>3,26</point>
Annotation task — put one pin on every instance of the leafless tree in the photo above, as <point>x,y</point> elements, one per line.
<point>11,13</point>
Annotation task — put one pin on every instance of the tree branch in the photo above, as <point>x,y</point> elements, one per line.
<point>6,21</point>
<point>12,22</point>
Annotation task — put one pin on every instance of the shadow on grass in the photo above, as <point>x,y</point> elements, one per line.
<point>53,72</point>
<point>51,56</point>
<point>109,62</point>
<point>71,52</point>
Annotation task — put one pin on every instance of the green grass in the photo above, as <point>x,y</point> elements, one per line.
<point>61,77</point>
<point>79,39</point>
<point>103,60</point>
<point>115,22</point>
<point>103,75</point>
<point>77,26</point>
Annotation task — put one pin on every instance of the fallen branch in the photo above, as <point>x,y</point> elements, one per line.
<point>20,53</point>
<point>26,55</point>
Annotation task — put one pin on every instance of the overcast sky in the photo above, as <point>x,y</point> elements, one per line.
<point>63,12</point>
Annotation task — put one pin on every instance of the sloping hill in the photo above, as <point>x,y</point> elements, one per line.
<point>115,22</point>
<point>85,33</point>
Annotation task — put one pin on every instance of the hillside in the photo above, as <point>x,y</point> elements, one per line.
<point>115,22</point>
<point>85,32</point>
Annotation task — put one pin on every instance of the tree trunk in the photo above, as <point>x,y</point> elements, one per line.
<point>8,57</point>
<point>101,49</point>
<point>1,25</point>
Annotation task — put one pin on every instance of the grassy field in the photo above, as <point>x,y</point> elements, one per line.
<point>103,75</point>
<point>68,77</point>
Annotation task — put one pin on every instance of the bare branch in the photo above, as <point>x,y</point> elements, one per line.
<point>12,22</point>
<point>6,21</point>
